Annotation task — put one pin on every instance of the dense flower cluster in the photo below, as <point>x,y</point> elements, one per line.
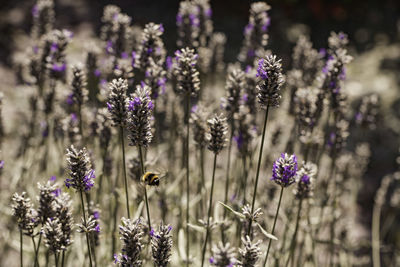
<point>140,108</point>
<point>284,170</point>
<point>161,245</point>
<point>185,71</point>
<point>271,79</point>
<point>217,133</point>
<point>255,33</point>
<point>117,100</point>
<point>80,175</point>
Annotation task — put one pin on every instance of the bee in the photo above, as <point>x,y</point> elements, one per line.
<point>151,178</point>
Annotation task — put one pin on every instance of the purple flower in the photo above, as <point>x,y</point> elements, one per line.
<point>194,108</point>
<point>322,52</point>
<point>249,27</point>
<point>208,13</point>
<point>97,228</point>
<point>161,28</point>
<point>70,99</point>
<point>342,75</point>
<point>96,215</point>
<point>57,192</point>
<point>179,19</point>
<point>1,164</point>
<point>331,140</point>
<point>251,53</point>
<point>59,67</point>
<point>264,28</point>
<point>284,170</point>
<point>124,55</point>
<point>97,72</point>
<point>54,47</point>
<point>248,68</point>
<point>211,260</point>
<point>239,140</point>
<point>116,260</point>
<point>88,180</point>
<point>245,98</point>
<point>35,11</point>
<point>169,228</point>
<point>261,71</point>
<point>133,104</point>
<point>53,178</point>
<point>194,20</point>
<point>109,47</point>
<point>168,62</point>
<point>109,106</point>
<point>152,232</point>
<point>142,84</point>
<point>35,49</point>
<point>149,50</point>
<point>305,179</point>
<point>74,118</point>
<point>150,105</point>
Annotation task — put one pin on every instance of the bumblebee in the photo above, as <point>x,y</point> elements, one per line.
<point>151,178</point>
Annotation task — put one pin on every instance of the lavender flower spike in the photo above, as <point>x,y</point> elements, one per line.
<point>271,80</point>
<point>81,176</point>
<point>140,108</point>
<point>284,170</point>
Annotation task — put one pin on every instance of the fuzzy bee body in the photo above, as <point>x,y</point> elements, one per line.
<point>150,178</point>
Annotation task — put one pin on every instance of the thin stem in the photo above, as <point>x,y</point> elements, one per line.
<point>293,243</point>
<point>273,226</point>
<point>376,217</point>
<point>228,167</point>
<point>209,212</point>
<point>258,167</point>
<point>37,250</point>
<point>145,189</point>
<point>55,260</point>
<point>21,247</point>
<point>62,258</point>
<point>87,235</point>
<point>34,249</point>
<point>121,130</point>
<point>187,176</point>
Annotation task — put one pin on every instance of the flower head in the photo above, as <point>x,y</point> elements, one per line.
<point>139,115</point>
<point>305,180</point>
<point>284,170</point>
<point>271,79</point>
<point>80,175</point>
<point>217,133</point>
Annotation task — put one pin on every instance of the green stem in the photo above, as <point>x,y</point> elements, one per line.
<point>293,242</point>
<point>376,217</point>
<point>87,235</point>
<point>258,167</point>
<point>145,189</point>
<point>209,212</point>
<point>121,130</point>
<point>55,260</point>
<point>273,226</point>
<point>21,247</point>
<point>187,176</point>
